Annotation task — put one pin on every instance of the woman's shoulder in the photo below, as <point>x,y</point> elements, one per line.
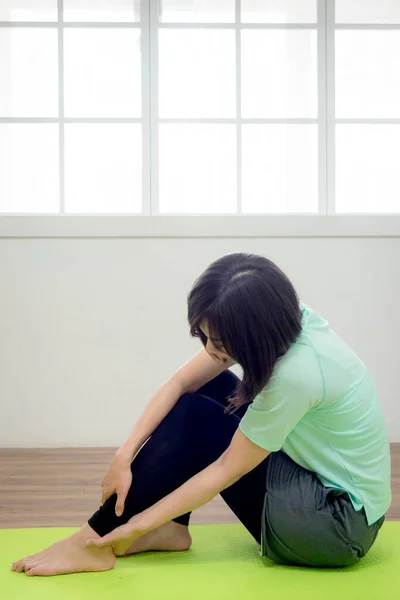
<point>298,373</point>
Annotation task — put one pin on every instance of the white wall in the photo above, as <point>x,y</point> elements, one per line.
<point>90,327</point>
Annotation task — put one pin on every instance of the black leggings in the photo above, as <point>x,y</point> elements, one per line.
<point>285,507</point>
<point>192,436</point>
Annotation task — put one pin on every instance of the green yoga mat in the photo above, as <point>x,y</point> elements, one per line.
<point>223,564</point>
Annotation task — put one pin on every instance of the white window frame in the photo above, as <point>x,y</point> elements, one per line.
<point>150,223</point>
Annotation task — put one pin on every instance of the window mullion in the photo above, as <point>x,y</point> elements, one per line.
<point>61,125</point>
<point>146,117</point>
<point>330,105</point>
<point>322,108</point>
<point>238,109</point>
<point>153,105</point>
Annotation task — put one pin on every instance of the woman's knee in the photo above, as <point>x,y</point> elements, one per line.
<point>189,407</point>
<point>191,404</point>
<point>221,387</point>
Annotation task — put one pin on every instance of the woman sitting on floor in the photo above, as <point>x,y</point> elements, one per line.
<point>298,448</point>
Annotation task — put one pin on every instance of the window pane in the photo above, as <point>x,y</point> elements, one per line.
<point>197,168</point>
<point>279,168</point>
<point>367,11</point>
<point>279,11</point>
<point>102,73</point>
<point>279,74</point>
<point>28,10</point>
<point>28,73</point>
<point>202,11</point>
<point>367,74</point>
<point>367,168</point>
<point>103,168</point>
<point>29,168</point>
<point>197,73</point>
<point>102,10</point>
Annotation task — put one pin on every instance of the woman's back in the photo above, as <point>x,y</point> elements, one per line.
<point>321,408</point>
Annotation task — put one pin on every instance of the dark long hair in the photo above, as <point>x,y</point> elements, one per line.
<point>251,306</point>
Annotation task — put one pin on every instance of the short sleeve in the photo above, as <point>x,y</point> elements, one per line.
<point>294,389</point>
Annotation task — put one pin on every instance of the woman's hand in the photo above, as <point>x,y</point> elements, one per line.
<point>120,539</point>
<point>117,480</point>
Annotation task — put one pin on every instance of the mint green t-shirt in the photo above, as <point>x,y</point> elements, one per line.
<point>321,408</point>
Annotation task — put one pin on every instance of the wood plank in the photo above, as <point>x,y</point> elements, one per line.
<point>60,487</point>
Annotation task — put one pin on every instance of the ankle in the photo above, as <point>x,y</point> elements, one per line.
<point>171,537</point>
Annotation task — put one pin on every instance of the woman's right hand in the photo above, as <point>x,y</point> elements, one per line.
<point>117,480</point>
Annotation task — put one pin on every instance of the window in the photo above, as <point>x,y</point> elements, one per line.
<point>70,107</point>
<point>367,82</point>
<point>199,107</point>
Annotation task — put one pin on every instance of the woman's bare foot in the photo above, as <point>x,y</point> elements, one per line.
<point>71,555</point>
<point>171,537</point>
<point>68,556</point>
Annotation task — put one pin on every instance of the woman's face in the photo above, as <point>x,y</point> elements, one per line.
<point>214,347</point>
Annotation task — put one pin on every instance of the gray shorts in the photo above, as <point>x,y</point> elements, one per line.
<point>306,523</point>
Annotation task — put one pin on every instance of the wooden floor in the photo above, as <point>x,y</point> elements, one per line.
<point>61,487</point>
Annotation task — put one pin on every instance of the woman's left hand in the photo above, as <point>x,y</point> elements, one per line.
<point>120,539</point>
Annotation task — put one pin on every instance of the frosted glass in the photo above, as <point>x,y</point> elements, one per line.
<point>197,169</point>
<point>102,10</point>
<point>28,10</point>
<point>367,74</point>
<point>29,181</point>
<point>279,11</point>
<point>102,73</point>
<point>367,168</point>
<point>197,73</point>
<point>103,168</point>
<point>204,11</point>
<point>279,168</point>
<point>367,11</point>
<point>28,72</point>
<point>279,74</point>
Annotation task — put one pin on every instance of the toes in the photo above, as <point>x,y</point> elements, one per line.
<point>18,568</point>
<point>18,565</point>
<point>29,564</point>
<point>41,570</point>
<point>35,571</point>
<point>34,568</point>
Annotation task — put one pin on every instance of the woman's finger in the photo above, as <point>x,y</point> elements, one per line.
<point>122,493</point>
<point>120,533</point>
<point>120,505</point>
<point>106,494</point>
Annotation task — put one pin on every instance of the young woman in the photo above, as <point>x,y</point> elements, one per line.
<point>297,448</point>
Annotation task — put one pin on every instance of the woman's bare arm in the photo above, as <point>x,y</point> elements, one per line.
<point>190,377</point>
